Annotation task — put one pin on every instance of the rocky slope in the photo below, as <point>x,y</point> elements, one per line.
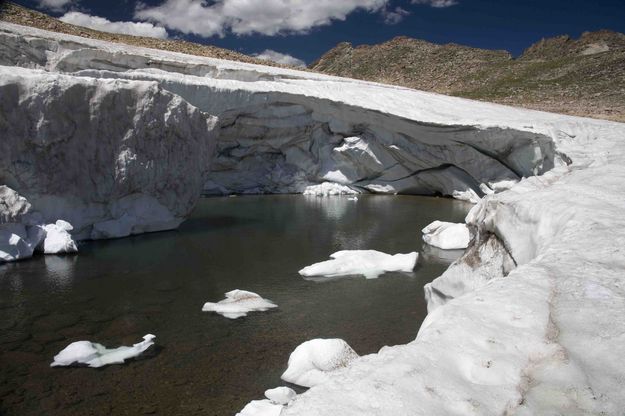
<point>584,76</point>
<point>13,13</point>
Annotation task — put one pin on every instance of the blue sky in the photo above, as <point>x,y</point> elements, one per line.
<point>305,29</point>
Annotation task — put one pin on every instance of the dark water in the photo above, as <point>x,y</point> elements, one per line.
<point>114,292</point>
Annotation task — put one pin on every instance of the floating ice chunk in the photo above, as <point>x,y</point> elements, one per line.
<point>328,189</point>
<point>370,263</point>
<point>13,243</point>
<point>280,395</point>
<point>96,355</point>
<point>238,303</point>
<point>447,235</point>
<point>469,195</point>
<point>310,362</point>
<point>58,239</point>
<point>354,198</point>
<point>261,408</point>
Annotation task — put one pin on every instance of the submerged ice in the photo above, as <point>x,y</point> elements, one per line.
<point>369,263</point>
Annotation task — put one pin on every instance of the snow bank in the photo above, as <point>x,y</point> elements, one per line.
<point>272,406</point>
<point>239,303</point>
<point>261,408</point>
<point>96,355</point>
<point>369,263</point>
<point>447,235</point>
<point>312,362</point>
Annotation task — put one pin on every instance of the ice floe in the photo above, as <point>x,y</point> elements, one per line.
<point>239,303</point>
<point>447,235</point>
<point>96,355</point>
<point>369,263</point>
<point>312,361</point>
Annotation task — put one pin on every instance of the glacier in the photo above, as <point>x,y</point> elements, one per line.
<point>528,321</point>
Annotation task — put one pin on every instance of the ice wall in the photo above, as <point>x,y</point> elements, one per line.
<point>280,138</point>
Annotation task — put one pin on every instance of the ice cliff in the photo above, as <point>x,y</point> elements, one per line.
<point>118,140</point>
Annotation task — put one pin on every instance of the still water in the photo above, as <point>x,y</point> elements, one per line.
<point>114,292</point>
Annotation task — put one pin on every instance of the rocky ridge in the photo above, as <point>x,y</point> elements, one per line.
<point>584,77</point>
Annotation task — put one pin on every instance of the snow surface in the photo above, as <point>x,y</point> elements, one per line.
<point>96,355</point>
<point>239,303</point>
<point>313,362</point>
<point>447,235</point>
<point>369,263</point>
<point>529,321</point>
<point>261,408</point>
<point>280,395</point>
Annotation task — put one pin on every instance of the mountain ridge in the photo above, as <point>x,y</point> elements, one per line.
<point>583,76</point>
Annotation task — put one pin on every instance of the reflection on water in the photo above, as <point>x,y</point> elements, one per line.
<point>113,292</point>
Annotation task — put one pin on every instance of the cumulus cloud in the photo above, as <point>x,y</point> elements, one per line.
<point>244,17</point>
<point>280,58</point>
<point>394,16</point>
<point>436,3</point>
<point>105,25</point>
<point>54,5</point>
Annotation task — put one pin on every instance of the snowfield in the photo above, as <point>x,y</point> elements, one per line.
<point>530,321</point>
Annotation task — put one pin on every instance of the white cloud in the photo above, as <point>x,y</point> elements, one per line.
<point>54,5</point>
<point>243,17</point>
<point>436,3</point>
<point>281,58</point>
<point>392,17</point>
<point>105,25</point>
